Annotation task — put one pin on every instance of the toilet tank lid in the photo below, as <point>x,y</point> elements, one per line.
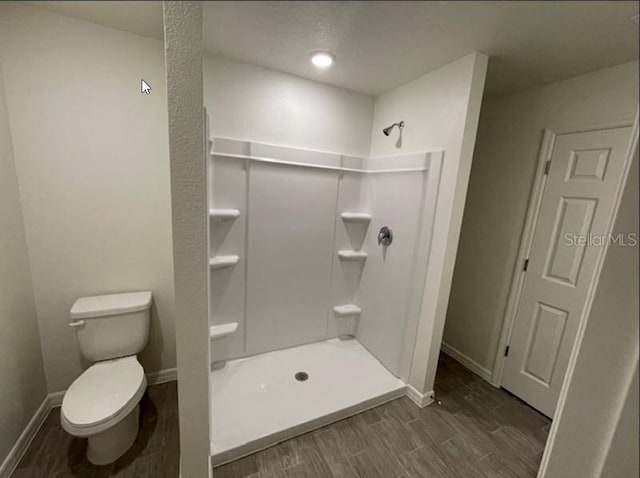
<point>111,304</point>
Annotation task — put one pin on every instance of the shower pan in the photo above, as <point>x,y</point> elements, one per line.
<point>317,267</point>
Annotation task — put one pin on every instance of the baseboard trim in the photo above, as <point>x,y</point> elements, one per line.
<point>467,361</point>
<point>419,398</point>
<point>24,440</point>
<point>163,376</point>
<point>55,399</point>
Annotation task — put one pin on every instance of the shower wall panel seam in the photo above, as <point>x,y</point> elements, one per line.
<point>247,207</point>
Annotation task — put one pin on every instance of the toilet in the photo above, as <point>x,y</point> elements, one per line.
<point>102,404</point>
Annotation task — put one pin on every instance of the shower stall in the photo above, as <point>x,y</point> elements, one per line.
<point>317,269</point>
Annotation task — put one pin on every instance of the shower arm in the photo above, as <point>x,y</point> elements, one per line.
<point>386,131</point>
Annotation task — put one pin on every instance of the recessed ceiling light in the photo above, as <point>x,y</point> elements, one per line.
<point>322,59</point>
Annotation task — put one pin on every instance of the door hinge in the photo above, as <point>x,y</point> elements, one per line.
<point>547,166</point>
<point>506,351</point>
<point>526,265</point>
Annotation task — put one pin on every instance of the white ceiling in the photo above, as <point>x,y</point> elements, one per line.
<point>380,45</point>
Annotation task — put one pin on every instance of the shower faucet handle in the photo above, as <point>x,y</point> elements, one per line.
<point>385,236</point>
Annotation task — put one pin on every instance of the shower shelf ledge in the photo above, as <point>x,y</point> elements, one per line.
<point>218,262</point>
<point>223,330</point>
<point>223,214</point>
<point>352,255</point>
<point>355,217</point>
<point>347,310</point>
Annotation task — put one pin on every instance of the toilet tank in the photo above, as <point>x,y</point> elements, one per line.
<point>111,326</point>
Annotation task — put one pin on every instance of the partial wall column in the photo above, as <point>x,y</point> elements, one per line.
<point>444,245</point>
<point>183,60</point>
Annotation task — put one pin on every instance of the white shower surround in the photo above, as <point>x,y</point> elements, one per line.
<point>290,277</point>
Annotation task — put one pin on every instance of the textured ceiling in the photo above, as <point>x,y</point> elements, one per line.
<point>380,45</point>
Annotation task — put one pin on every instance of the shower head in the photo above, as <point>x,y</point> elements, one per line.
<point>388,129</point>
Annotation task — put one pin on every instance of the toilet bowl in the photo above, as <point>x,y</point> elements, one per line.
<point>102,404</point>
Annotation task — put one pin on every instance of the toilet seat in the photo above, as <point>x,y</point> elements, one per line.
<point>102,396</point>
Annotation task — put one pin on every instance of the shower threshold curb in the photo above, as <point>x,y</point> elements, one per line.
<point>263,443</point>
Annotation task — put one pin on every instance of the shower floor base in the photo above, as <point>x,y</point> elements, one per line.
<point>258,402</point>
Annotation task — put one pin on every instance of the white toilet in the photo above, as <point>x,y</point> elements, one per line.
<point>102,404</point>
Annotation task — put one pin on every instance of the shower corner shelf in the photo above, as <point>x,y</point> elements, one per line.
<point>355,217</point>
<point>348,255</point>
<point>223,214</point>
<point>223,330</point>
<point>347,310</point>
<point>218,262</point>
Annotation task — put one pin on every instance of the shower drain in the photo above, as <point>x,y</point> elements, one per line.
<point>301,376</point>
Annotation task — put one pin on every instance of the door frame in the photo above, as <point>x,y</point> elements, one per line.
<point>526,240</point>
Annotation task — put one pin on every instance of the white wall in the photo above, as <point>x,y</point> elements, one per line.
<point>440,111</point>
<point>509,139</point>
<point>622,456</point>
<point>92,164</point>
<point>256,104</point>
<point>591,425</point>
<point>22,381</point>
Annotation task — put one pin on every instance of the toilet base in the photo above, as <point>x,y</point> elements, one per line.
<point>109,445</point>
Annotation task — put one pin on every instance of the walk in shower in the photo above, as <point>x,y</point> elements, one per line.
<point>317,264</point>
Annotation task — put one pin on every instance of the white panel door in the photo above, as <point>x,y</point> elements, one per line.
<point>575,212</point>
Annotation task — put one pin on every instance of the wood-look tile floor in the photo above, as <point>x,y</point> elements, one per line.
<point>475,430</point>
<point>155,453</point>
